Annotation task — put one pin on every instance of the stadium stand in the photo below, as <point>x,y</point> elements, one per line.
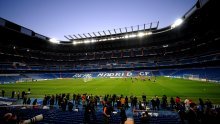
<point>187,46</point>
<point>190,49</point>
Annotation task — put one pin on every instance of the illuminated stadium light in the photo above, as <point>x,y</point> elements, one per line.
<point>92,41</point>
<point>84,41</point>
<point>141,34</point>
<point>129,35</point>
<point>132,36</point>
<point>87,41</point>
<point>104,39</point>
<point>77,42</point>
<point>54,40</point>
<point>74,43</point>
<point>164,46</point>
<point>112,38</point>
<point>115,34</point>
<point>177,23</point>
<point>148,33</point>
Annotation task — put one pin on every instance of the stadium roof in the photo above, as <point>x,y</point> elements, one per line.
<point>55,18</point>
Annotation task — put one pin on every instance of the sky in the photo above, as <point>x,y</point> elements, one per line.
<point>56,18</point>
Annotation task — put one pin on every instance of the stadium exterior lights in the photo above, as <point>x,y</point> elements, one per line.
<point>92,41</point>
<point>117,38</point>
<point>74,43</point>
<point>177,23</point>
<point>112,38</point>
<point>54,40</point>
<point>104,39</point>
<point>115,34</point>
<point>164,46</point>
<point>87,41</point>
<point>132,36</point>
<point>141,34</point>
<point>77,42</point>
<point>148,33</point>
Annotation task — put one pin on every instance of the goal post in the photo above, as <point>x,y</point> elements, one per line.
<point>25,79</point>
<point>87,78</point>
<point>191,77</point>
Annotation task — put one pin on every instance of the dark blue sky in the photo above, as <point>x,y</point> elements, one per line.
<point>56,18</point>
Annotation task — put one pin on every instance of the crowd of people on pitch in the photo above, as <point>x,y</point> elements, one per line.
<point>24,95</point>
<point>14,94</point>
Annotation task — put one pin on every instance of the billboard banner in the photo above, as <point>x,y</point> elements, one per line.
<point>116,74</point>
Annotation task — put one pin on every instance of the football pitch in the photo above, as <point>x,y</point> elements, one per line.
<point>100,86</point>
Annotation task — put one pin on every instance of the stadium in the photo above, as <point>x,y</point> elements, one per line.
<point>166,73</point>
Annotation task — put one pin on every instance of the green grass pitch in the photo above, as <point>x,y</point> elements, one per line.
<point>98,86</point>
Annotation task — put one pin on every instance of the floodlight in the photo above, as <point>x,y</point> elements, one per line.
<point>113,38</point>
<point>148,33</point>
<point>140,34</point>
<point>92,41</point>
<point>164,46</point>
<point>177,23</point>
<point>77,42</point>
<point>104,39</point>
<point>74,43</point>
<point>133,35</point>
<point>86,41</point>
<point>54,40</point>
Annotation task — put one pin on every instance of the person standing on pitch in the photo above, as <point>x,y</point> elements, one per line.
<point>3,93</point>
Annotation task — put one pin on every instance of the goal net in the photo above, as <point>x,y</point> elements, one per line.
<point>191,77</point>
<point>25,80</point>
<point>87,78</point>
